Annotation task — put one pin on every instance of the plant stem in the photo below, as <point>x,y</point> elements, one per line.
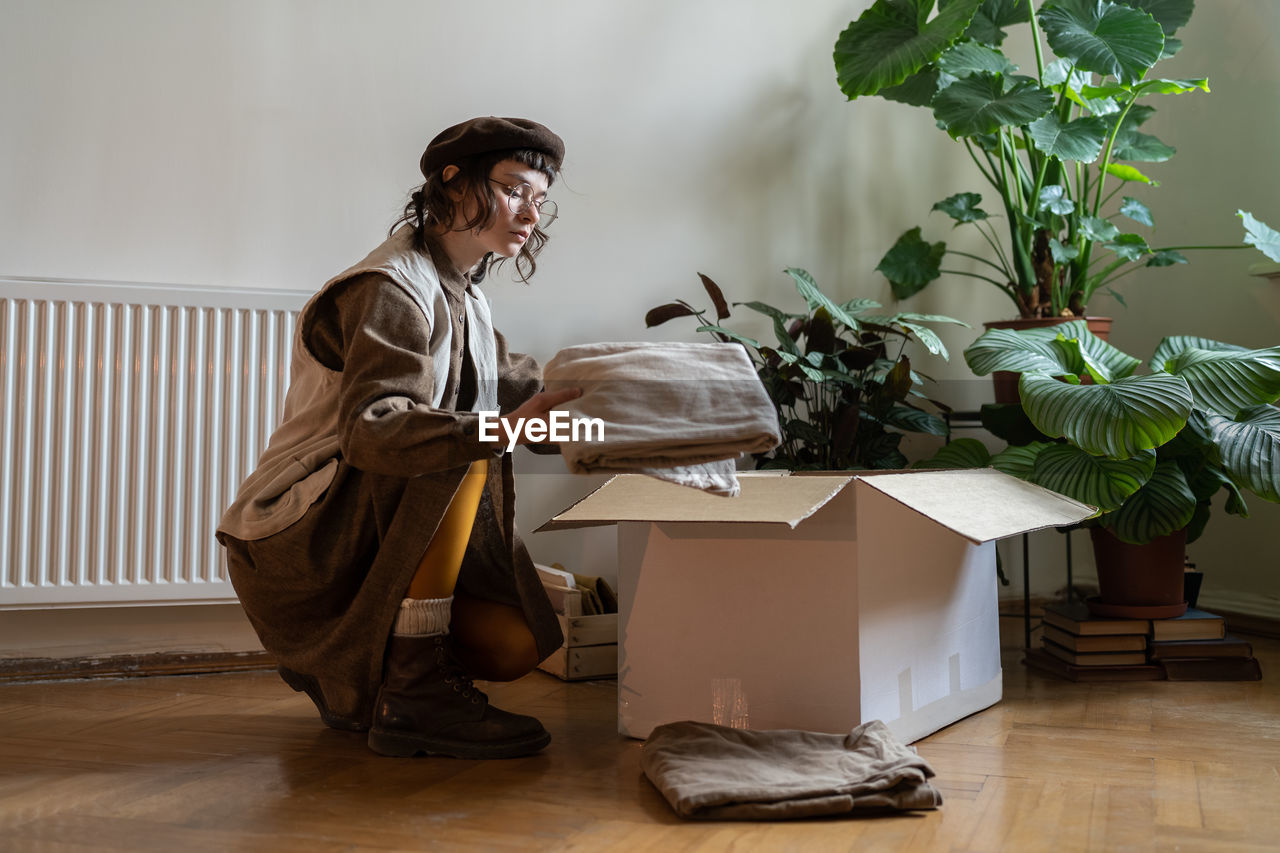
<point>1190,248</point>
<point>1107,281</point>
<point>979,259</point>
<point>990,236</point>
<point>1035,40</point>
<point>1000,284</point>
<point>976,162</point>
<point>1106,157</point>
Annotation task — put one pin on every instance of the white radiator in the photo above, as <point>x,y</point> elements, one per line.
<point>129,414</point>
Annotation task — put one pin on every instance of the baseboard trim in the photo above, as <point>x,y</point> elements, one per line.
<point>132,666</point>
<point>1250,623</point>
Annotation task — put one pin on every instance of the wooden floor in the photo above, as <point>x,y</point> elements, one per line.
<point>239,762</point>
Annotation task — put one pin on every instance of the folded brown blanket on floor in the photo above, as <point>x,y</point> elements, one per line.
<point>718,773</point>
<point>678,411</point>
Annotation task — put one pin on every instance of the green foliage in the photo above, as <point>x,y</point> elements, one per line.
<point>1052,143</point>
<point>1149,450</point>
<point>844,390</point>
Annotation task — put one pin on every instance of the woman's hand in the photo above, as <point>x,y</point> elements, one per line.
<point>534,409</point>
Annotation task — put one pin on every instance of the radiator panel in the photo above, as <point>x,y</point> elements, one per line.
<point>129,414</point>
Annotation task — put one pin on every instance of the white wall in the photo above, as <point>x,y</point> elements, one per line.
<point>265,143</point>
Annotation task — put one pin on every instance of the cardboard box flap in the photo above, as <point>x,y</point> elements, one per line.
<point>980,504</point>
<point>770,499</point>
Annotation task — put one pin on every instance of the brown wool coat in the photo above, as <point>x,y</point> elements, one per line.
<point>323,593</point>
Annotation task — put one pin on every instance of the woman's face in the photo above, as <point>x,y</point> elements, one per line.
<point>513,184</point>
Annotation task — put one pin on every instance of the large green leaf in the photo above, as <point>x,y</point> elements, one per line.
<point>929,338</point>
<point>732,335</point>
<point>1137,211</point>
<point>913,317</point>
<point>994,14</point>
<point>1062,76</point>
<point>1172,87</point>
<point>814,296</point>
<point>1054,199</point>
<point>1117,420</point>
<point>1006,349</point>
<point>1159,86</point>
<point>1020,460</point>
<point>1095,480</point>
<point>1163,505</point>
<point>1009,422</point>
<point>1172,345</point>
<point>1062,254</point>
<point>1043,350</point>
<point>1261,235</point>
<point>1206,483</point>
<point>1104,38</point>
<point>1131,247</point>
<point>1081,139</point>
<point>1101,361</point>
<point>917,90</point>
<point>911,419</point>
<point>1141,148</point>
<point>1226,381</point>
<point>967,58</point>
<point>962,207</point>
<point>961,453</point>
<point>912,263</point>
<point>1164,258</point>
<point>1249,445</point>
<point>983,103</point>
<point>1095,228</point>
<point>1127,173</point>
<point>1172,15</point>
<point>893,40</point>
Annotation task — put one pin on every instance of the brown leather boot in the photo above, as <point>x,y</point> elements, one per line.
<point>427,704</point>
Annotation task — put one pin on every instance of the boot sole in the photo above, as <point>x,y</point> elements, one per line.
<point>407,745</point>
<point>306,684</point>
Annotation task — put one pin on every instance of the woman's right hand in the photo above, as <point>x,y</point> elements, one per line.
<point>536,408</point>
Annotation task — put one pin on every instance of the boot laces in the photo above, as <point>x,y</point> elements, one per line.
<point>455,674</point>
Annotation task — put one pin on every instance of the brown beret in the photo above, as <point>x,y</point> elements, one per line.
<point>489,133</point>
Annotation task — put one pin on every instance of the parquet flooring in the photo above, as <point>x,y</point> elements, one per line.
<point>239,762</point>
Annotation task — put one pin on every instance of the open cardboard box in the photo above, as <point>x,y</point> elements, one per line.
<point>813,601</point>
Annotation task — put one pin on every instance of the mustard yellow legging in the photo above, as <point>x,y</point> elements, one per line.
<point>492,639</point>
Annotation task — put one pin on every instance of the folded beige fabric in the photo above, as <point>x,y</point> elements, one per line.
<point>679,411</point>
<point>718,773</point>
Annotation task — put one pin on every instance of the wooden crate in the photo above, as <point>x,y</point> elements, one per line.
<point>590,647</point>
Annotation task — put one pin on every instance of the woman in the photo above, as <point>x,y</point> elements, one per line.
<point>373,547</point>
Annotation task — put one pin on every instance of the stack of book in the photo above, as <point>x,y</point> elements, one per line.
<point>1082,647</point>
<point>1197,647</point>
<point>1192,647</point>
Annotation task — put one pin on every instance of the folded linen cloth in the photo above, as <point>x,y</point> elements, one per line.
<point>717,773</point>
<point>678,411</point>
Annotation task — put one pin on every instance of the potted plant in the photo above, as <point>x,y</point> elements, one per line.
<point>1057,146</point>
<point>838,375</point>
<point>1149,450</point>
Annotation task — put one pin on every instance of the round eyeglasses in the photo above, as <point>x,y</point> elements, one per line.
<point>520,198</point>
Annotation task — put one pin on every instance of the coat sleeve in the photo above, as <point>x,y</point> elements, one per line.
<point>519,378</point>
<point>519,375</point>
<point>373,333</point>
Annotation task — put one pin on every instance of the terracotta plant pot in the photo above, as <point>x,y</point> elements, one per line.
<point>1004,382</point>
<point>1139,581</point>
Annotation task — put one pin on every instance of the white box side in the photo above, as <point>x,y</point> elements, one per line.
<point>928,618</point>
<point>775,609</point>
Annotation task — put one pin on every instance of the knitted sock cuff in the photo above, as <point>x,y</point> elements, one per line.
<point>419,616</point>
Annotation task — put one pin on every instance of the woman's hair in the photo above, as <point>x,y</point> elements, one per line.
<point>431,205</point>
